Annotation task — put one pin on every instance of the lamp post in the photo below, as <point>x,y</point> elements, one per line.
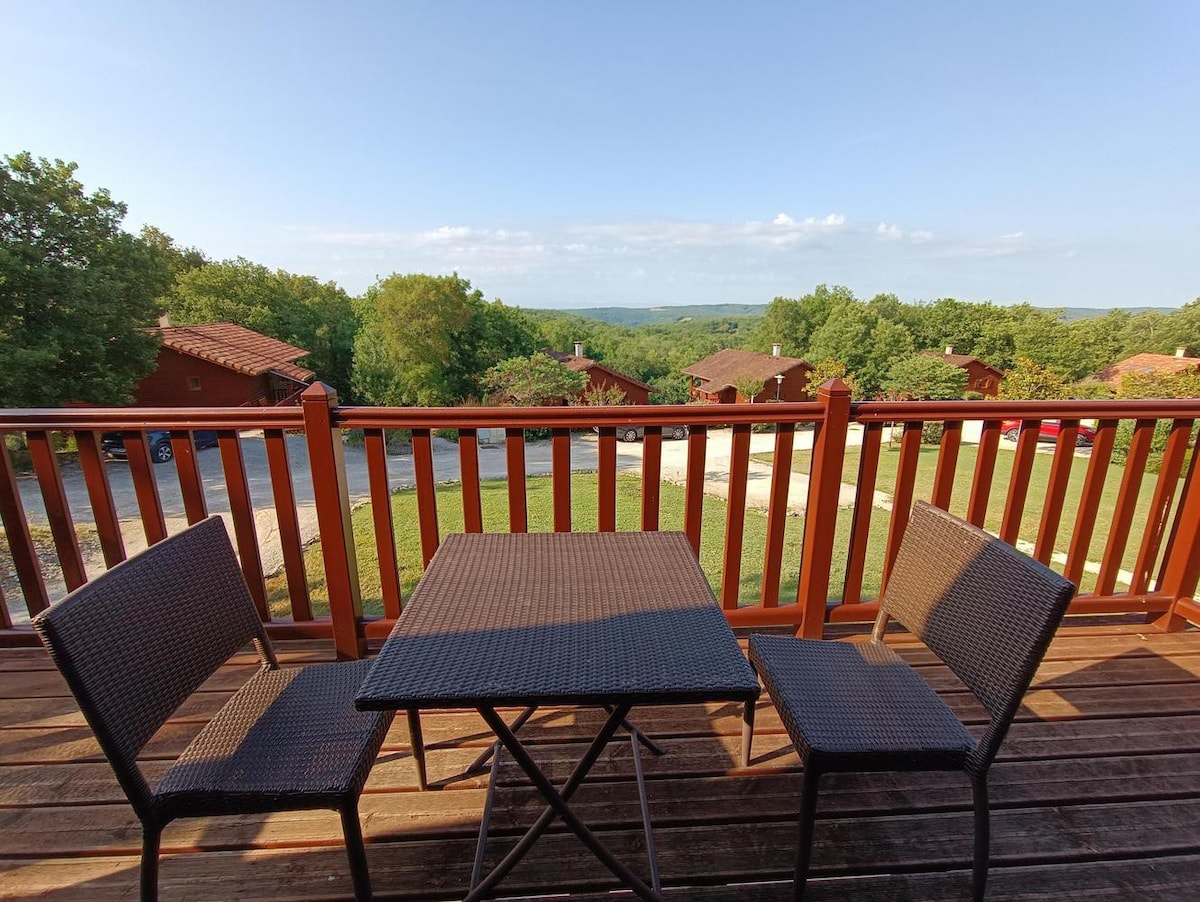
<point>778,384</point>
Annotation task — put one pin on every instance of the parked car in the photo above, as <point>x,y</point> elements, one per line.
<point>1048,432</point>
<point>636,433</point>
<point>113,443</point>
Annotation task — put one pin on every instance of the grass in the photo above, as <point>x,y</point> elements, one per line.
<point>539,499</point>
<point>1035,498</point>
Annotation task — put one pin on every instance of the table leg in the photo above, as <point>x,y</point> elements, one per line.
<point>747,731</point>
<point>485,822</point>
<point>417,741</point>
<point>557,800</point>
<point>514,726</point>
<point>645,803</point>
<point>639,735</point>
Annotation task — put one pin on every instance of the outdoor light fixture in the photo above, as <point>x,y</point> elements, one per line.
<point>778,384</point>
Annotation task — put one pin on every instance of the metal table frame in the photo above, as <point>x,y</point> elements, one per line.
<point>503,606</point>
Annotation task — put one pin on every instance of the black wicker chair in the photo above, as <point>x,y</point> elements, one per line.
<point>984,608</point>
<point>134,643</point>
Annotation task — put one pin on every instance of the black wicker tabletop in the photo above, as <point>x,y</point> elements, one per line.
<point>560,618</point>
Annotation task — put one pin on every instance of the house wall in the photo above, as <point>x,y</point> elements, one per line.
<point>982,379</point>
<point>634,394</point>
<point>172,385</point>
<point>793,388</point>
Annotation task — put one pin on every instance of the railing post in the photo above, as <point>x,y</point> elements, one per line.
<point>1181,566</point>
<point>327,459</point>
<point>820,515</point>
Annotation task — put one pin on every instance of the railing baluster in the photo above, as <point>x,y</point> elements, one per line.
<point>864,503</point>
<point>468,468</point>
<point>58,511</point>
<point>821,508</point>
<point>902,497</point>
<point>606,479</point>
<point>145,486</point>
<point>693,501</point>
<point>1018,483</point>
<point>985,472</point>
<point>427,512</point>
<point>651,477</point>
<point>777,511</point>
<point>1127,495</point>
<point>735,516</point>
<point>1160,505</point>
<point>241,509</point>
<point>560,468</point>
<point>947,464</point>
<point>290,541</point>
<point>104,507</point>
<point>187,465</point>
<point>1056,490</point>
<point>1181,565</point>
<point>375,446</point>
<point>20,541</point>
<point>1089,501</point>
<point>514,460</point>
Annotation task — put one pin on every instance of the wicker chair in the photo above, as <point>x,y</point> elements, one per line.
<point>984,608</point>
<point>134,643</point>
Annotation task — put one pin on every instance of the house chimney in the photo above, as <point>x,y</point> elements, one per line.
<point>776,349</point>
<point>949,349</point>
<point>165,320</point>
<point>1181,352</point>
<point>579,349</point>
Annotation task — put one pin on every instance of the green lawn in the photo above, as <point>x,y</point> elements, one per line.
<point>1035,499</point>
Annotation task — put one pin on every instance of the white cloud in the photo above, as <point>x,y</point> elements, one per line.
<point>1013,236</point>
<point>783,219</point>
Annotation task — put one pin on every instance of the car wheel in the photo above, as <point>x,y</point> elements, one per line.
<point>1082,441</point>
<point>162,452</point>
<point>629,435</point>
<point>679,433</point>
<point>1012,434</point>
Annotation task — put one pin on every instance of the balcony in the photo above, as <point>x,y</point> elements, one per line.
<point>1095,791</point>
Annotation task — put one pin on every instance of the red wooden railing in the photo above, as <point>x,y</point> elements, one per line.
<point>1166,541</point>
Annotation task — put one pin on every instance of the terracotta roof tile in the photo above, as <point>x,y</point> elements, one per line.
<point>723,368</point>
<point>1146,363</point>
<point>237,348</point>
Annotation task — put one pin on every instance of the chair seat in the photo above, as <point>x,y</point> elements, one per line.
<point>289,735</point>
<point>858,706</point>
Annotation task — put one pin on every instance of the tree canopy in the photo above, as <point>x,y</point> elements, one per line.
<point>537,380</point>
<point>76,292</point>
<point>922,378</point>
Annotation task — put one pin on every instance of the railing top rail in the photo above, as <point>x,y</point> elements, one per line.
<point>1142,408</point>
<point>119,418</point>
<point>576,417</point>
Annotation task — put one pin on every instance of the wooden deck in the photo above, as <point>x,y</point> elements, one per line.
<point>1097,795</point>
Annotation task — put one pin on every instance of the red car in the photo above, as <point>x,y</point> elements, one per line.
<point>1048,432</point>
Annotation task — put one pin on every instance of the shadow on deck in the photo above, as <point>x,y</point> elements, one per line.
<point>1096,794</point>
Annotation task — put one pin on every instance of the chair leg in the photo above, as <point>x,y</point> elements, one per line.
<point>417,740</point>
<point>747,732</point>
<point>808,817</point>
<point>151,836</point>
<point>356,851</point>
<point>982,837</point>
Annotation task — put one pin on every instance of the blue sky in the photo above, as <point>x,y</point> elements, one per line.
<point>574,154</point>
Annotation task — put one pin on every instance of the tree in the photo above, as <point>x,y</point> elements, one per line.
<point>76,292</point>
<point>299,310</point>
<point>535,381</point>
<point>922,378</point>
<point>427,340</point>
<point>600,396</point>
<point>1030,381</point>
<point>748,387</point>
<point>833,369</point>
<point>1153,385</point>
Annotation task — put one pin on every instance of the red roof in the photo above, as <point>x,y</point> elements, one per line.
<point>1141,364</point>
<point>237,348</point>
<point>724,368</point>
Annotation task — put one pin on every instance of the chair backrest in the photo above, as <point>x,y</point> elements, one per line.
<point>136,641</point>
<point>987,610</point>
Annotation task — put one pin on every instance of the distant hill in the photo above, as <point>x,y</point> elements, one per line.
<point>641,316</point>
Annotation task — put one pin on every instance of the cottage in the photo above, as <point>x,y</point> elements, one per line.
<point>222,365</point>
<point>715,378</point>
<point>981,377</point>
<point>603,377</point>
<point>1144,364</point>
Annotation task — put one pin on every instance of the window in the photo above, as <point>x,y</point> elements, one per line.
<point>193,383</point>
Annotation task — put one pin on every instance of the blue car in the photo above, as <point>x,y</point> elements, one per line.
<point>113,443</point>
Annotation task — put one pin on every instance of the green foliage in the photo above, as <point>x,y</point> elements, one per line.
<point>1030,381</point>
<point>600,396</point>
<point>76,292</point>
<point>922,378</point>
<point>296,309</point>
<point>427,340</point>
<point>673,388</point>
<point>832,369</point>
<point>748,388</point>
<point>535,381</point>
